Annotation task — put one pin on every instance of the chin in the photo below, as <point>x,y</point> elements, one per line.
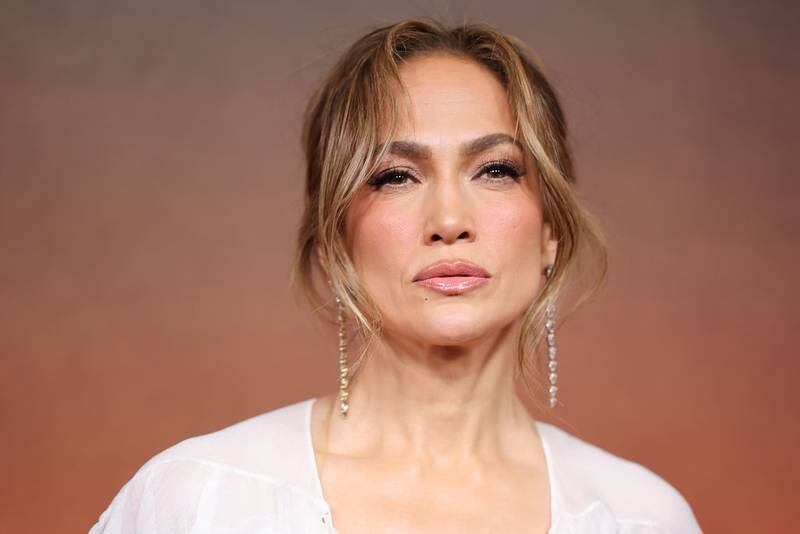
<point>450,326</point>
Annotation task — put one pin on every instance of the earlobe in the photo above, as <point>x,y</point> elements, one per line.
<point>549,245</point>
<point>321,262</point>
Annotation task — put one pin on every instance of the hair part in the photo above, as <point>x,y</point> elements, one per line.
<point>351,120</point>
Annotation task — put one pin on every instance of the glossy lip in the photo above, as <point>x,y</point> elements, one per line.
<point>452,277</point>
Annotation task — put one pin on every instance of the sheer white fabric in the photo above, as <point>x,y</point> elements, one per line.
<point>260,476</point>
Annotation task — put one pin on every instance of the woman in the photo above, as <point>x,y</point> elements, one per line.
<point>441,214</point>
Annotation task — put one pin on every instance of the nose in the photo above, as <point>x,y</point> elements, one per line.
<point>448,214</point>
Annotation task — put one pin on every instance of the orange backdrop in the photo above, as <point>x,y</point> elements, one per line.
<point>150,186</point>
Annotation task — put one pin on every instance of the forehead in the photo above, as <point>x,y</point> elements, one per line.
<point>452,97</point>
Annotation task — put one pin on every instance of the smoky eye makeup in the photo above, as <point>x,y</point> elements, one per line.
<point>500,168</point>
<point>393,176</point>
<point>492,170</point>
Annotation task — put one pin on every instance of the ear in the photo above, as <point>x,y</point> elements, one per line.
<point>549,245</point>
<point>320,262</point>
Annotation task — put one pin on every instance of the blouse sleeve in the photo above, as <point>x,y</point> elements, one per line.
<point>680,518</point>
<point>160,498</point>
<point>671,514</point>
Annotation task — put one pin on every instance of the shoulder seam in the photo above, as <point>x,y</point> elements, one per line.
<point>645,522</point>
<point>145,471</point>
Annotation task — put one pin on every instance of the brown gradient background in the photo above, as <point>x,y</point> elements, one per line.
<point>150,186</point>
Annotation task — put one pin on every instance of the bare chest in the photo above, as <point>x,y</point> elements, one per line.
<point>402,504</point>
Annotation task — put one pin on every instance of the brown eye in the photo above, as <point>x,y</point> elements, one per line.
<point>392,177</point>
<point>500,171</point>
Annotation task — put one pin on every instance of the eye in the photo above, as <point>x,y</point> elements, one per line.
<point>499,171</point>
<point>391,177</point>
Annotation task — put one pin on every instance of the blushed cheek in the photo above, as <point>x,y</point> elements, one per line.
<point>381,240</point>
<point>514,230</point>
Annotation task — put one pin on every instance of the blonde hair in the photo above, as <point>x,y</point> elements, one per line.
<point>352,119</point>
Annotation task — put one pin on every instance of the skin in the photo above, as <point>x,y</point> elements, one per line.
<point>437,439</point>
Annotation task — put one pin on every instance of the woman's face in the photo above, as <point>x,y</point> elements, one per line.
<point>455,188</point>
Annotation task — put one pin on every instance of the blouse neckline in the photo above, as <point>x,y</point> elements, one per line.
<point>554,490</point>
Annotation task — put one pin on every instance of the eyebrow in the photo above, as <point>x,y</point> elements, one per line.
<point>411,150</point>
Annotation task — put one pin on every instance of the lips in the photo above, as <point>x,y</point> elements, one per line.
<point>452,277</point>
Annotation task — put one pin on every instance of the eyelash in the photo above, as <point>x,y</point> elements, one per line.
<point>506,167</point>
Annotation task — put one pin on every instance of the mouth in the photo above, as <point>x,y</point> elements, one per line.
<point>452,277</point>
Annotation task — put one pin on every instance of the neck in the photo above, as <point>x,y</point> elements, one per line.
<point>440,405</point>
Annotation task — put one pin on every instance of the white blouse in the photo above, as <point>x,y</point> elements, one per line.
<point>260,476</point>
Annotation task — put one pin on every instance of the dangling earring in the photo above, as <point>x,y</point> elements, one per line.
<point>549,326</point>
<point>344,394</point>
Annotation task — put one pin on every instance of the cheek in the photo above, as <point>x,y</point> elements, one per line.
<point>514,232</point>
<point>379,239</point>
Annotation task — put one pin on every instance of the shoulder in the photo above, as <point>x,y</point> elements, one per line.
<point>269,444</point>
<point>263,456</point>
<point>586,475</point>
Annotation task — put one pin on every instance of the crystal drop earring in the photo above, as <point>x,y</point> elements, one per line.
<point>344,381</point>
<point>549,325</point>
